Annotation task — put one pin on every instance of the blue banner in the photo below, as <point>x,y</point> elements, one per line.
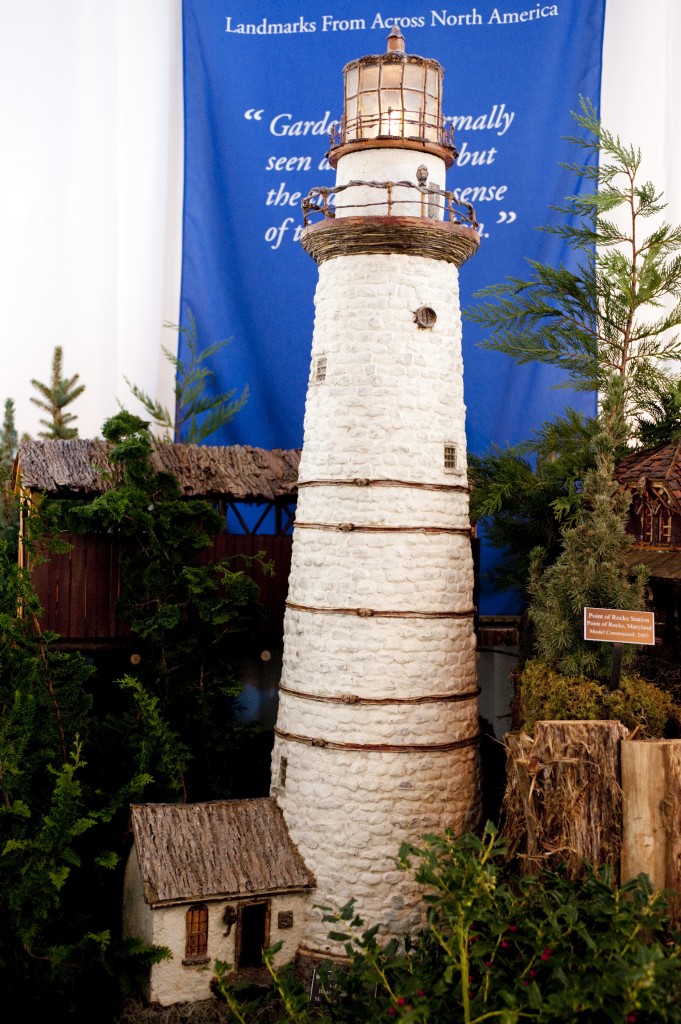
<point>263,85</point>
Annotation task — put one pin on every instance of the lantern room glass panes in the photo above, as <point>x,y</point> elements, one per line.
<point>399,99</point>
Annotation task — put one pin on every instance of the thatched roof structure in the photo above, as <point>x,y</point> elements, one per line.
<point>81,468</point>
<point>653,466</point>
<point>215,849</point>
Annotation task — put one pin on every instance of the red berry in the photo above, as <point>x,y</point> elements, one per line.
<point>392,1011</point>
<point>504,944</point>
<point>400,1001</point>
<point>513,928</point>
<point>420,992</point>
<point>546,954</point>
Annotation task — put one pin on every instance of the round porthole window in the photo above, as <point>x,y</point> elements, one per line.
<point>425,316</point>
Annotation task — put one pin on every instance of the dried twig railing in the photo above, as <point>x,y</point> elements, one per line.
<point>432,202</point>
<point>379,125</point>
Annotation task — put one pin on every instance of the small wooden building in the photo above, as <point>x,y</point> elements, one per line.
<point>219,880</point>
<point>255,489</point>
<point>653,479</point>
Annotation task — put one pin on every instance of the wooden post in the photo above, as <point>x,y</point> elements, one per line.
<point>563,797</point>
<point>651,804</point>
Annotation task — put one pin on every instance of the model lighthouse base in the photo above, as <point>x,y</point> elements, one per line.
<point>376,738</point>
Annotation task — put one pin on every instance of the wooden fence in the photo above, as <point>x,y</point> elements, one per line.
<point>78,590</point>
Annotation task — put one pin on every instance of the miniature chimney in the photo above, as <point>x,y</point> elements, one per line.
<point>377,732</point>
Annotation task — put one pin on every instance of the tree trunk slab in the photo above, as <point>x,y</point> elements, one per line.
<point>563,796</point>
<point>651,808</point>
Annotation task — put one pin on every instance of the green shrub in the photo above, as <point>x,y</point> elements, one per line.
<point>545,694</point>
<point>537,949</point>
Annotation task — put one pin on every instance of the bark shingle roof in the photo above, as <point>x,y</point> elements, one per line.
<point>215,849</point>
<point>80,468</point>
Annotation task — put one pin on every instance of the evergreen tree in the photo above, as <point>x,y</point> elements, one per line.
<point>659,418</point>
<point>591,569</point>
<point>604,324</point>
<point>9,505</point>
<point>56,395</point>
<point>196,407</point>
<point>527,494</point>
<point>606,318</point>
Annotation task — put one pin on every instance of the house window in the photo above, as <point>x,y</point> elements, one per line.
<point>196,946</point>
<point>646,524</point>
<point>665,527</point>
<point>655,523</point>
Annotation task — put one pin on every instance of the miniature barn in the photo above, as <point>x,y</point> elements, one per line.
<point>653,480</point>
<point>254,489</point>
<point>212,881</point>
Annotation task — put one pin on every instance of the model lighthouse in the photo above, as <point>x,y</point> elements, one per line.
<point>376,737</point>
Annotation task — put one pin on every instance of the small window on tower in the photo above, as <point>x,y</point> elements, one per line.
<point>450,464</point>
<point>425,316</point>
<point>319,369</point>
<point>283,765</point>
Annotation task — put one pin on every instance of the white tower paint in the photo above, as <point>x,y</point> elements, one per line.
<point>376,737</point>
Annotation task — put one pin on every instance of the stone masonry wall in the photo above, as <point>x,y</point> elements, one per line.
<point>393,392</point>
<point>373,705</point>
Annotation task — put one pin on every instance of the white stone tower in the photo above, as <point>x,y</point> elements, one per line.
<point>377,732</point>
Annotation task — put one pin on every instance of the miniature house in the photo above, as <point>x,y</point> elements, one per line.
<point>653,480</point>
<point>212,881</point>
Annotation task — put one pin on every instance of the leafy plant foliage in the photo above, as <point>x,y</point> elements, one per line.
<point>526,494</point>
<point>59,852</point>
<point>495,948</point>
<point>186,612</point>
<point>638,703</point>
<point>80,740</point>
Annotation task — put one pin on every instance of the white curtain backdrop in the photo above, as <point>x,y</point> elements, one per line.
<point>91,172</point>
